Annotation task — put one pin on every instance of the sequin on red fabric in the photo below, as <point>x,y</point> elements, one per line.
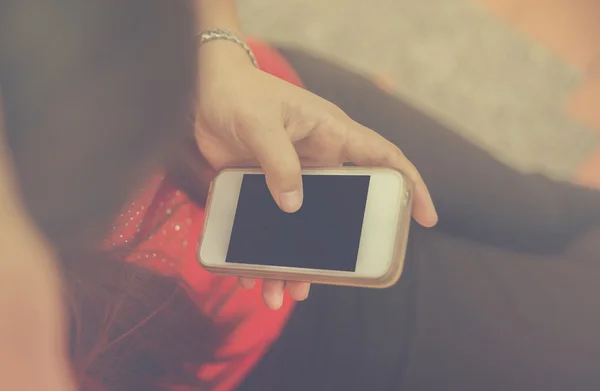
<point>157,227</point>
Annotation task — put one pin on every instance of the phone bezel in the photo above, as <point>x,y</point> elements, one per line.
<point>387,195</point>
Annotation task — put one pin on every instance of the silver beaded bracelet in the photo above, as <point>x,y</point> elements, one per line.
<point>212,35</point>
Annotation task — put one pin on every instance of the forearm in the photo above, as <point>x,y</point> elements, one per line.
<point>217,14</point>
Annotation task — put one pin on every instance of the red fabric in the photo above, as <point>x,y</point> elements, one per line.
<point>270,61</point>
<point>171,225</point>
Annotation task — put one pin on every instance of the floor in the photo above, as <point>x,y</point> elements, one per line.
<point>454,59</point>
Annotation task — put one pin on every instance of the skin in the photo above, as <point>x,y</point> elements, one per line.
<point>246,116</point>
<point>31,314</point>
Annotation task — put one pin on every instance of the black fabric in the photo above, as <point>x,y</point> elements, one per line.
<point>502,295</point>
<point>340,339</point>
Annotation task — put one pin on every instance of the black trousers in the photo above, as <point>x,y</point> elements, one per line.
<point>503,295</point>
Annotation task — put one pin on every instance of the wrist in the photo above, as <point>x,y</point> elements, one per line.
<point>212,15</point>
<point>224,48</point>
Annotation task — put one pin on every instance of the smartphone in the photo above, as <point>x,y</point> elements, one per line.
<point>351,230</point>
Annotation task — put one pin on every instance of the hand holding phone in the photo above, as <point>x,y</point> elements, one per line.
<point>351,229</point>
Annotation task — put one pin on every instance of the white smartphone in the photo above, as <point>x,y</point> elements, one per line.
<point>351,229</point>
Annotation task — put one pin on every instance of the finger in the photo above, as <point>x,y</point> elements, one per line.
<point>365,147</point>
<point>307,163</point>
<point>298,290</point>
<point>272,291</point>
<point>247,283</point>
<point>316,150</point>
<point>275,152</point>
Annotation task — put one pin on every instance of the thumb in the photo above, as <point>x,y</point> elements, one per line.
<point>279,160</point>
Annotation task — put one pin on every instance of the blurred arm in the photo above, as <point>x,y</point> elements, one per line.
<point>32,325</point>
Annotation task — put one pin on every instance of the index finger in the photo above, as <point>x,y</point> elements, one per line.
<point>277,156</point>
<point>364,147</point>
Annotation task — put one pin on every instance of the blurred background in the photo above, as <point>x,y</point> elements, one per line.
<point>457,60</point>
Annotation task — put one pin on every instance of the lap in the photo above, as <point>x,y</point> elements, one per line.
<point>500,296</point>
<point>341,338</point>
<point>464,316</point>
<point>477,197</point>
<point>493,319</point>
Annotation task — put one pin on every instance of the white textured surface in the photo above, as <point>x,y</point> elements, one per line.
<point>451,57</point>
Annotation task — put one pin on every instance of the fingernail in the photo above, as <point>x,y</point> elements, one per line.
<point>291,201</point>
<point>277,301</point>
<point>306,291</point>
<point>432,215</point>
<point>247,283</point>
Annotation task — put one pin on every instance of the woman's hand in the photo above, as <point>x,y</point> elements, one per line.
<point>246,116</point>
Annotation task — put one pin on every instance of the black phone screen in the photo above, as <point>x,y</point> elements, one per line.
<point>324,234</point>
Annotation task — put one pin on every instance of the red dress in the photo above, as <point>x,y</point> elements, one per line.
<point>173,225</point>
